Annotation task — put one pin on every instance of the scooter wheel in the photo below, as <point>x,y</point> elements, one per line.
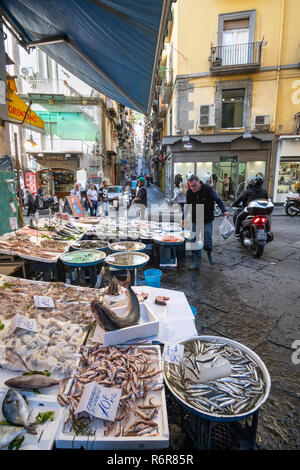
<point>291,210</point>
<point>257,250</point>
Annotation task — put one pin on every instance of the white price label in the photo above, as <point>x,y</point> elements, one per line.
<point>43,302</point>
<point>13,223</point>
<point>19,321</point>
<point>101,402</point>
<point>120,247</point>
<point>13,207</point>
<point>173,353</point>
<point>110,258</point>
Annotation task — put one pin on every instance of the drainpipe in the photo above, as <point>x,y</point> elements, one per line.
<point>275,110</point>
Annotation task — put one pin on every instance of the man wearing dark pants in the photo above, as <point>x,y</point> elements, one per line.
<point>200,193</point>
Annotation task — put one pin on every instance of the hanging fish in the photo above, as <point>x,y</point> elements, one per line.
<point>107,319</point>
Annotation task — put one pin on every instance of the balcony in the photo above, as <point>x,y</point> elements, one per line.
<point>235,59</point>
<point>44,86</point>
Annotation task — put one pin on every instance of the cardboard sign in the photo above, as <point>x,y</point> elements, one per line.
<point>13,223</point>
<point>24,323</point>
<point>173,353</point>
<point>101,402</point>
<point>13,207</point>
<point>43,302</point>
<point>75,206</point>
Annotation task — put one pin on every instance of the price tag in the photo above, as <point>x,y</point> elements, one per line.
<point>173,353</point>
<point>110,258</point>
<point>13,207</point>
<point>120,247</point>
<point>24,323</point>
<point>13,223</point>
<point>43,302</point>
<point>101,402</point>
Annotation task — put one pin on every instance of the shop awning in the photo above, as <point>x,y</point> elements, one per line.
<point>112,45</point>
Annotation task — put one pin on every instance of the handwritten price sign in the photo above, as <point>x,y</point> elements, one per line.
<point>173,353</point>
<point>101,402</point>
<point>24,323</point>
<point>43,302</point>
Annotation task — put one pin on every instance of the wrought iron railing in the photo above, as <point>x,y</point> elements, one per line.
<point>238,54</point>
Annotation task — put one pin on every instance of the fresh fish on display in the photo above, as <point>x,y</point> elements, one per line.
<point>32,382</point>
<point>15,359</point>
<point>108,319</point>
<point>133,369</point>
<point>236,392</point>
<point>9,433</point>
<point>15,411</point>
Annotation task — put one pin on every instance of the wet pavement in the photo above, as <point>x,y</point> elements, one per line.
<point>255,302</point>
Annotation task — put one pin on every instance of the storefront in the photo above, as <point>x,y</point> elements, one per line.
<point>287,170</point>
<point>226,156</point>
<point>58,174</point>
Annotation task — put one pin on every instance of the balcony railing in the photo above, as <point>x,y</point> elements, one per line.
<point>46,86</point>
<point>236,58</point>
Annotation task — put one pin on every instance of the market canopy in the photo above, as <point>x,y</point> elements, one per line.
<point>112,45</point>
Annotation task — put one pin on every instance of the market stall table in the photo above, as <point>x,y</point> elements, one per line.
<point>168,244</point>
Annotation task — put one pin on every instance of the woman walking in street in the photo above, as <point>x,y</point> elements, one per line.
<point>180,196</point>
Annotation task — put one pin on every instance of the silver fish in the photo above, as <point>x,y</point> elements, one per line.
<point>34,381</point>
<point>15,410</point>
<point>9,433</point>
<point>107,319</point>
<point>14,358</point>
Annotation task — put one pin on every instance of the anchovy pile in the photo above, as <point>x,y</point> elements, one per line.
<point>238,393</point>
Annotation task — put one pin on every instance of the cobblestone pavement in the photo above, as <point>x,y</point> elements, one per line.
<point>255,302</point>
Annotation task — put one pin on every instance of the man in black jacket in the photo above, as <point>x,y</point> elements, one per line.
<point>200,193</point>
<point>253,191</point>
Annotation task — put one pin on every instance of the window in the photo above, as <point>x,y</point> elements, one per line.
<point>170,122</point>
<point>233,108</point>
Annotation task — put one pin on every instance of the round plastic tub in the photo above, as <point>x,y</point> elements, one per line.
<point>152,277</point>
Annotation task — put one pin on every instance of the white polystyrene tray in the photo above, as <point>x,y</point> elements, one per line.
<point>65,440</point>
<point>44,439</point>
<point>148,326</point>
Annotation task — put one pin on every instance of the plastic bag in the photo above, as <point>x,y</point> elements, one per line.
<point>226,229</point>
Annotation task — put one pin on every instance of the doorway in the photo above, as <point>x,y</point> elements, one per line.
<point>226,172</point>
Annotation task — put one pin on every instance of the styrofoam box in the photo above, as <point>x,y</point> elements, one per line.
<point>65,439</point>
<point>148,326</point>
<point>44,439</point>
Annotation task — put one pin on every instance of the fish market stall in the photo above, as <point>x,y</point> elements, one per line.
<point>81,261</point>
<point>127,260</point>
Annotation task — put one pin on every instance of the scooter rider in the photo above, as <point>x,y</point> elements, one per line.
<point>253,191</point>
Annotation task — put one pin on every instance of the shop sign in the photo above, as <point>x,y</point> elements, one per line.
<point>17,109</point>
<point>188,146</point>
<point>30,181</point>
<point>75,206</point>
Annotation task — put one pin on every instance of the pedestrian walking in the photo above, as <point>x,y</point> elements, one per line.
<point>103,198</point>
<point>226,183</point>
<point>92,197</point>
<point>31,203</point>
<point>180,196</point>
<point>141,197</point>
<point>200,193</point>
<point>76,191</point>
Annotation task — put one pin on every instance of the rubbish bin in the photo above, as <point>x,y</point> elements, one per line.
<point>152,277</point>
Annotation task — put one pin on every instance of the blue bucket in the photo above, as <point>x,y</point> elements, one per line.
<point>194,310</point>
<point>152,277</point>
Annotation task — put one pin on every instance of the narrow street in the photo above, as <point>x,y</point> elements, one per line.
<point>255,302</point>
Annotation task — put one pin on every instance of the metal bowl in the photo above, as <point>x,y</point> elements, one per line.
<point>214,417</point>
<point>79,245</point>
<point>140,259</point>
<point>127,246</point>
<point>80,258</point>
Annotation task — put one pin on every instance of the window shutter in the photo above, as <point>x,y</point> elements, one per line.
<point>236,24</point>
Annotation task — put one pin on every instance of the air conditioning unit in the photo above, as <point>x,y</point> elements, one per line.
<point>206,117</point>
<point>262,122</point>
<point>27,71</point>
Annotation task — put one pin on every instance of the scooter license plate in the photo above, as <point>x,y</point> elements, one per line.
<point>261,235</point>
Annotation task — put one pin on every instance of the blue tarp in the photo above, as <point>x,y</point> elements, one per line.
<point>119,36</point>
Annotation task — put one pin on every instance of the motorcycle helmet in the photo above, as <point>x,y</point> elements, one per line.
<point>255,181</point>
